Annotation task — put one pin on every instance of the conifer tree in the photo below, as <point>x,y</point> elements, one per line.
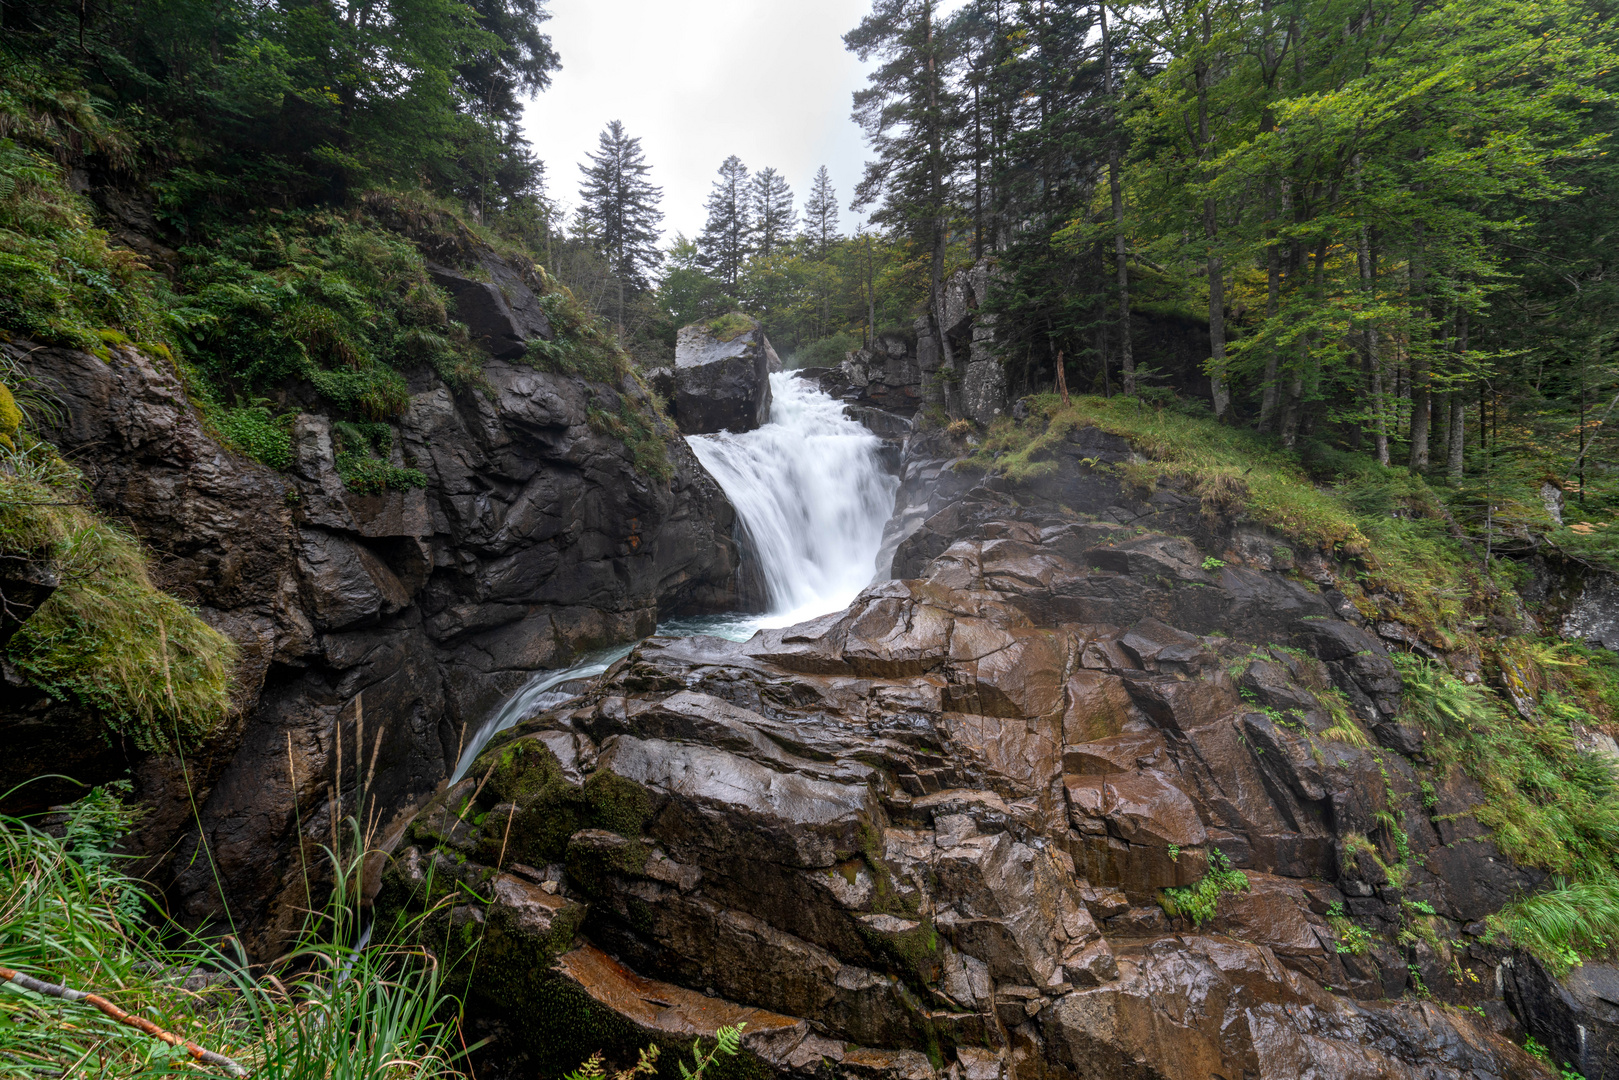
<point>911,114</point>
<point>724,244</point>
<point>771,203</point>
<point>821,212</point>
<point>619,208</point>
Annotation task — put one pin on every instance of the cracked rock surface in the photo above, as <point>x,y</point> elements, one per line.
<point>929,835</point>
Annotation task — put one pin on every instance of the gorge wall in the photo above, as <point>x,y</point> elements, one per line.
<point>374,628</point>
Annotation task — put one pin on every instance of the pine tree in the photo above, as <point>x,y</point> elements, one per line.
<point>620,210</point>
<point>771,202</point>
<point>911,114</point>
<point>821,212</point>
<point>724,243</point>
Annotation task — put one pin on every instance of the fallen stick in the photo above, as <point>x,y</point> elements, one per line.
<point>68,994</point>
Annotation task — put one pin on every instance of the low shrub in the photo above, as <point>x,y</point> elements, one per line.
<point>255,431</point>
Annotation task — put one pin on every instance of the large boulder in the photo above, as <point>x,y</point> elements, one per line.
<point>721,377</point>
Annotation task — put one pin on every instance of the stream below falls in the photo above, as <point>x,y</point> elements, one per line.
<point>812,495</point>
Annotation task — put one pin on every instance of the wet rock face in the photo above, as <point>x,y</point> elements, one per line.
<point>375,628</point>
<point>930,834</point>
<point>495,301</point>
<point>1577,1019</point>
<point>885,376</point>
<point>719,385</point>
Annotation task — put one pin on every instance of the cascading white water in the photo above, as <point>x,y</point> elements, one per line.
<point>812,495</point>
<point>534,697</point>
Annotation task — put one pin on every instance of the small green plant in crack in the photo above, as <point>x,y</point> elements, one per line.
<point>1353,940</point>
<point>361,457</point>
<point>1211,563</point>
<point>1198,902</point>
<point>1174,852</point>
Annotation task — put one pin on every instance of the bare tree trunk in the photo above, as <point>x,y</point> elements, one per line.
<point>1217,387</point>
<point>1121,259</point>
<point>1273,288</point>
<point>1421,382</point>
<point>1374,362</point>
<point>1211,226</point>
<point>1421,410</point>
<point>1456,456</point>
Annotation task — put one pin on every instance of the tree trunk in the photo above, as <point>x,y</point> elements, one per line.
<point>1121,261</point>
<point>1211,226</point>
<point>1421,382</point>
<point>1273,288</point>
<point>1217,387</point>
<point>1421,409</point>
<point>1456,455</point>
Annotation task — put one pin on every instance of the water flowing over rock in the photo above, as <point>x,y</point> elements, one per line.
<point>812,494</point>
<point>928,835</point>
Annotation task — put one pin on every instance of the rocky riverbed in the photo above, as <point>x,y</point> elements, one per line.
<point>930,835</point>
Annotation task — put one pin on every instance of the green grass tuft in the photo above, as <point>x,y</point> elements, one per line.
<point>730,326</point>
<point>108,638</point>
<point>68,915</point>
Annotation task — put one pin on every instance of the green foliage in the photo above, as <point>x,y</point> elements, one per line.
<point>581,345</point>
<point>823,352</point>
<point>68,914</point>
<point>727,1041</point>
<point>255,431</point>
<point>730,326</point>
<point>340,303</point>
<point>1547,802</point>
<point>1198,902</point>
<point>361,456</point>
<point>107,638</point>
<point>1353,940</point>
<point>1537,1049</point>
<point>638,432</point>
<point>60,280</point>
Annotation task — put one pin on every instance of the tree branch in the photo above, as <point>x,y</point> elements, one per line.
<point>67,994</point>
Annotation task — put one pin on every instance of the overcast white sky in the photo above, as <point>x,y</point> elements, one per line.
<point>697,80</point>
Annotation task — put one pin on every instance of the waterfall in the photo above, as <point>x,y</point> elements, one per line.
<point>812,495</point>
<point>532,698</point>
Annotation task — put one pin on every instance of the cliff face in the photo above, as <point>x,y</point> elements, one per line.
<point>941,833</point>
<point>375,628</point>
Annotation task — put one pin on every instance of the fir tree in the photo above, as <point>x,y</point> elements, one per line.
<point>911,114</point>
<point>821,212</point>
<point>619,208</point>
<point>771,202</point>
<point>724,243</point>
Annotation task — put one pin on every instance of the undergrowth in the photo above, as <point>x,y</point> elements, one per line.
<point>60,280</point>
<point>108,637</point>
<point>1199,901</point>
<point>1548,803</point>
<point>1385,519</point>
<point>327,1008</point>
